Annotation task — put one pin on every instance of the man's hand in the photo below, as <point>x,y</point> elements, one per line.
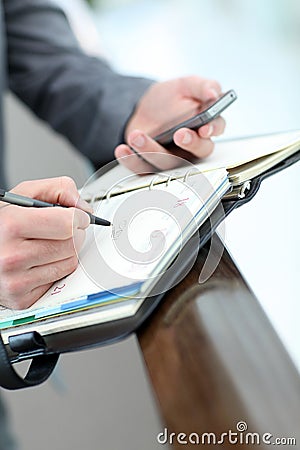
<point>161,103</point>
<point>39,245</point>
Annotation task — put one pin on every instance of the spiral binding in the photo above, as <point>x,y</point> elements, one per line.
<point>188,173</point>
<point>96,197</point>
<point>169,180</point>
<point>106,195</point>
<point>152,182</point>
<point>109,194</point>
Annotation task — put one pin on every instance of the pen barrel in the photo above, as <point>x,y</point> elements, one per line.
<point>19,200</point>
<point>15,199</point>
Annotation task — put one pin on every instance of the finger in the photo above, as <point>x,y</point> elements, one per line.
<point>48,251</point>
<point>152,152</point>
<point>190,141</point>
<point>37,252</point>
<point>60,190</point>
<point>31,297</point>
<point>214,128</point>
<point>43,223</point>
<point>132,161</point>
<point>23,291</point>
<point>201,89</point>
<point>49,273</point>
<point>25,300</point>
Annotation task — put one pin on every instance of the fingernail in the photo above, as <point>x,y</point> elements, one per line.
<point>210,130</point>
<point>187,138</point>
<point>139,141</point>
<point>213,93</point>
<point>82,204</point>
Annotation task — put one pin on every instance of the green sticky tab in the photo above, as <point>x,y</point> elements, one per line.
<point>23,320</point>
<point>6,324</point>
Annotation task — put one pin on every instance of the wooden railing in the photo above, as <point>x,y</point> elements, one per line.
<point>215,361</point>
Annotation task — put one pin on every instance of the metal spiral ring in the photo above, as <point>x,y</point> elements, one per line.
<point>168,180</point>
<point>188,173</point>
<point>152,182</point>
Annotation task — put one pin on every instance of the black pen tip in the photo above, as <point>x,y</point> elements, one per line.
<point>99,221</point>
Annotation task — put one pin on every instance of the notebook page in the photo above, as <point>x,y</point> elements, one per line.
<point>235,152</point>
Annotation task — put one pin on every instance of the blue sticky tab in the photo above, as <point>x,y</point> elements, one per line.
<point>102,297</point>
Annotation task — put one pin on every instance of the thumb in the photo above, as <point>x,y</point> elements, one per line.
<point>60,190</point>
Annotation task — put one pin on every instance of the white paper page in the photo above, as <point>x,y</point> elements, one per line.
<point>233,153</point>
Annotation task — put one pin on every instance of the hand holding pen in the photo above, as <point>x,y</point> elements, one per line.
<point>39,245</point>
<point>28,202</point>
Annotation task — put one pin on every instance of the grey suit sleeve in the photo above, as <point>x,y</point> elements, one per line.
<point>81,97</point>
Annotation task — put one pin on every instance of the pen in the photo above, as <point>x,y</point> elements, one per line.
<point>19,200</point>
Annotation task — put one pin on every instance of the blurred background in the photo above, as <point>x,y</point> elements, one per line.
<point>250,46</point>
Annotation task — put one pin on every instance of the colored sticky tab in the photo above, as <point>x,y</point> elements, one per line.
<point>6,324</point>
<point>23,320</point>
<point>102,297</point>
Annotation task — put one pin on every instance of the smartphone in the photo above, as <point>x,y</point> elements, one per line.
<point>194,119</point>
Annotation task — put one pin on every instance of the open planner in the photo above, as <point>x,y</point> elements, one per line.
<point>115,273</point>
<point>154,217</point>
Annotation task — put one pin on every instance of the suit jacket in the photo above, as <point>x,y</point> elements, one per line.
<point>80,96</point>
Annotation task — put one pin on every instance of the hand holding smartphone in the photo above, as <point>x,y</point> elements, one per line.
<point>194,119</point>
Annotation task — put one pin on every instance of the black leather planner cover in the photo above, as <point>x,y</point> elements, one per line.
<point>44,350</point>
